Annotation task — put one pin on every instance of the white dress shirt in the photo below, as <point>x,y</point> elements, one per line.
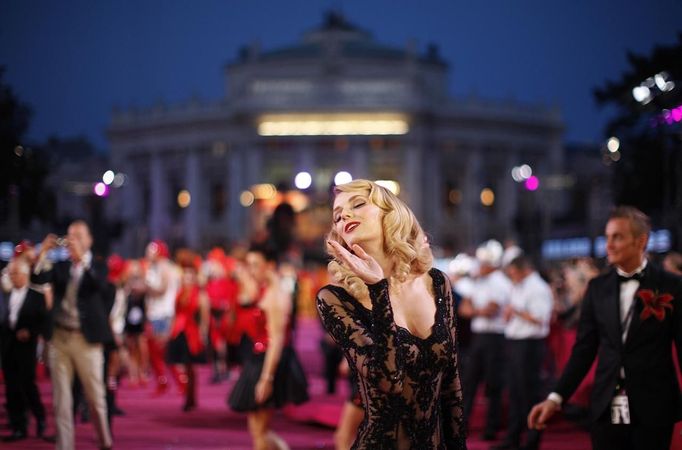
<point>16,301</point>
<point>492,288</point>
<point>533,296</point>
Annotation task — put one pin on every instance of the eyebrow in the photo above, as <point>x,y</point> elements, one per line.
<point>349,200</point>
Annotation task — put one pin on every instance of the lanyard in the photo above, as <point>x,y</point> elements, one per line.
<point>627,320</point>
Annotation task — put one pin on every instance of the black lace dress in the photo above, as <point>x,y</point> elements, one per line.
<point>409,386</point>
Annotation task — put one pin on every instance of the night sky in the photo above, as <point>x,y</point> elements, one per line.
<point>73,60</point>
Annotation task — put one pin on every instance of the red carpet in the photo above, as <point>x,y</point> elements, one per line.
<point>158,423</point>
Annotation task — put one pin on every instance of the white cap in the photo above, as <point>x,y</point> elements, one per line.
<point>462,264</point>
<point>510,253</point>
<point>490,253</point>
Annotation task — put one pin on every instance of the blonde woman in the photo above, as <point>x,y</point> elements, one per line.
<point>394,317</point>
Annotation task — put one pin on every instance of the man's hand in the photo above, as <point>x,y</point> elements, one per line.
<point>490,310</point>
<point>541,413</point>
<point>48,244</point>
<point>23,335</point>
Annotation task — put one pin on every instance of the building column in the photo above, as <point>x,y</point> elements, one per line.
<point>193,211</point>
<point>133,216</point>
<point>472,192</point>
<point>236,213</point>
<point>359,160</point>
<point>158,198</point>
<point>411,189</point>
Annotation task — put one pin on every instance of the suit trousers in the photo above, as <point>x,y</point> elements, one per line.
<point>485,362</point>
<point>19,366</point>
<point>524,358</point>
<point>70,353</point>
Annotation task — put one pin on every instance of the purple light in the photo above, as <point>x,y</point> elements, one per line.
<point>532,183</point>
<point>677,114</point>
<point>101,189</point>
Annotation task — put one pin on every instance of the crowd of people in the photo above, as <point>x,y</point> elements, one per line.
<point>400,330</point>
<point>146,321</point>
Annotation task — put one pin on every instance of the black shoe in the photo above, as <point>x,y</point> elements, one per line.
<point>52,439</point>
<point>16,435</point>
<point>40,427</point>
<point>116,411</point>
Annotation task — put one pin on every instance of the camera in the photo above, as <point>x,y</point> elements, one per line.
<point>62,241</point>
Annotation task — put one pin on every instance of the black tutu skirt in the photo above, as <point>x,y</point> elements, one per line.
<point>177,352</point>
<point>289,386</point>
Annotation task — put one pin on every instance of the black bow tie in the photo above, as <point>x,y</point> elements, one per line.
<point>637,276</point>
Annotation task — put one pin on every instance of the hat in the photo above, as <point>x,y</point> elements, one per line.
<point>159,247</point>
<point>116,266</point>
<point>22,247</point>
<point>510,254</point>
<point>490,253</point>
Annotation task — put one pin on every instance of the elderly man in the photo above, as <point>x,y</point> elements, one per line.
<point>24,322</point>
<point>77,329</point>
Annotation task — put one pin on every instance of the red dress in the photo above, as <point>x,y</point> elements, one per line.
<point>186,344</point>
<point>290,384</point>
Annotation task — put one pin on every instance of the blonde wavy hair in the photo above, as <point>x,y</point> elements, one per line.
<point>404,239</point>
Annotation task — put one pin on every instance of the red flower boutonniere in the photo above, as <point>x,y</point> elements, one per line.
<point>655,304</point>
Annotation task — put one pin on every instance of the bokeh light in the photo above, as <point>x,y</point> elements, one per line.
<point>101,189</point>
<point>108,177</point>
<point>184,198</point>
<point>342,177</point>
<point>533,183</point>
<point>303,180</point>
<point>487,197</point>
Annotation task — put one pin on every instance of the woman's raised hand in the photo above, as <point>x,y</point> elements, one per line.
<point>362,264</point>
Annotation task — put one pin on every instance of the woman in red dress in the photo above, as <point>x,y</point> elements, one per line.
<point>271,375</point>
<point>186,345</point>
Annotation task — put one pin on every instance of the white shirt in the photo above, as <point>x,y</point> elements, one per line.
<point>533,296</point>
<point>627,295</point>
<point>16,301</point>
<point>162,306</point>
<point>492,288</point>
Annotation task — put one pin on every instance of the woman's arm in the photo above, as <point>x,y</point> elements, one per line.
<point>277,306</point>
<point>451,400</point>
<point>371,349</point>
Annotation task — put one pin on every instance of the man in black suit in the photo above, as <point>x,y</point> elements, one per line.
<point>630,317</point>
<point>77,329</point>
<point>21,325</point>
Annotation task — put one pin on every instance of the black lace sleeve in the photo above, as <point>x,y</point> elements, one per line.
<point>370,347</point>
<point>452,404</point>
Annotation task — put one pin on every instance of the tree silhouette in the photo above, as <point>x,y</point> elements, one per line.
<point>649,171</point>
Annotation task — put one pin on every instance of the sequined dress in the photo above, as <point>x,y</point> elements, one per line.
<point>410,387</point>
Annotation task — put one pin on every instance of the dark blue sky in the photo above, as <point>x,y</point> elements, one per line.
<point>73,60</point>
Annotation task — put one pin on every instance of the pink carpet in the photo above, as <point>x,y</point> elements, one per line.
<point>158,423</point>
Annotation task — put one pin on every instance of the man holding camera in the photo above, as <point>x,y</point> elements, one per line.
<point>77,329</point>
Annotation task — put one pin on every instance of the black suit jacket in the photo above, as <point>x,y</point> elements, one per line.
<point>95,297</point>
<point>32,316</point>
<point>650,378</point>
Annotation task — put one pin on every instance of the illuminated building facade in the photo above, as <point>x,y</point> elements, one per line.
<point>338,100</point>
